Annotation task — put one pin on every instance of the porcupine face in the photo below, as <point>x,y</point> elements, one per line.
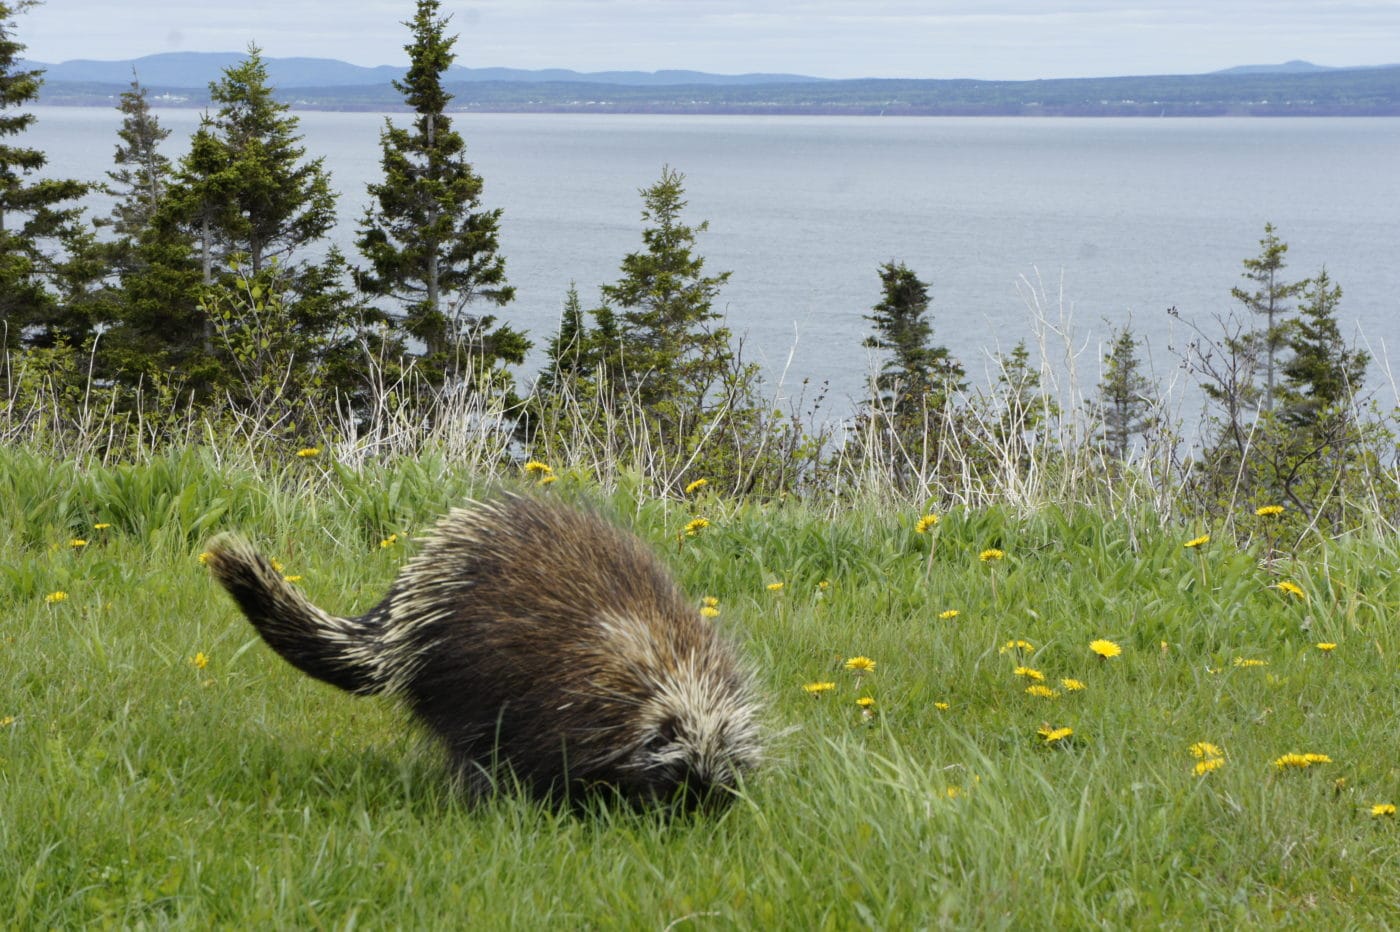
<point>700,738</point>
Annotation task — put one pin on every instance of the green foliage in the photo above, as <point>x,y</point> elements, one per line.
<point>1324,372</point>
<point>429,245</point>
<point>1126,396</point>
<point>1270,300</point>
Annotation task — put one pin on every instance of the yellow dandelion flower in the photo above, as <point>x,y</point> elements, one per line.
<point>950,613</point>
<point>696,486</point>
<point>709,611</point>
<point>695,526</point>
<point>9,720</point>
<point>54,598</point>
<point>1044,692</point>
<point>308,452</point>
<point>824,585</point>
<point>1339,784</point>
<point>925,524</point>
<point>291,579</point>
<point>942,706</point>
<point>1051,735</point>
<point>1204,749</point>
<point>860,665</point>
<point>101,527</point>
<point>775,587</point>
<point>816,689</point>
<point>866,702</point>
<point>1195,542</point>
<point>1268,511</point>
<point>1250,662</point>
<point>203,558</point>
<point>1378,810</point>
<point>1105,649</point>
<point>1326,646</point>
<point>534,467</point>
<point>200,660</point>
<point>388,542</point>
<point>1029,673</point>
<point>710,601</point>
<point>1292,589</point>
<point>77,543</point>
<point>990,554</point>
<point>546,480</point>
<point>1016,645</point>
<point>1071,684</point>
<point>1300,761</point>
<point>1204,767</point>
<point>953,792</point>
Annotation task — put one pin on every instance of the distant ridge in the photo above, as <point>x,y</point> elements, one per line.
<point>194,70</point>
<point>1297,66</point>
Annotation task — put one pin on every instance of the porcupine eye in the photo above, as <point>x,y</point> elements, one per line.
<point>665,736</point>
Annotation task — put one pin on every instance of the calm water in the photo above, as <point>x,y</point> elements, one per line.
<point>1123,217</point>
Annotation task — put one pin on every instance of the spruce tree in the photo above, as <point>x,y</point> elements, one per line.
<point>667,354</point>
<point>916,377</point>
<point>1270,299</point>
<point>1125,395</point>
<point>142,171</point>
<point>40,228</point>
<point>430,246</point>
<point>1324,373</point>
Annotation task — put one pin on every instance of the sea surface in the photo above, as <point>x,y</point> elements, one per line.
<point>1095,221</point>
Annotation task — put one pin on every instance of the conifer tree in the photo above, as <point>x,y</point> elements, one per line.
<point>39,218</point>
<point>1125,395</point>
<point>668,353</point>
<point>142,171</point>
<point>916,377</point>
<point>1270,299</point>
<point>1324,372</point>
<point>429,244</point>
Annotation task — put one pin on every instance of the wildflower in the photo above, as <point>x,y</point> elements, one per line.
<point>308,452</point>
<point>1105,649</point>
<point>1378,810</point>
<point>1044,692</point>
<point>388,542</point>
<point>953,792</point>
<point>54,598</point>
<point>1029,673</point>
<point>866,702</point>
<point>990,554</point>
<point>1250,662</point>
<point>925,524</point>
<point>824,585</point>
<point>9,720</point>
<point>200,660</point>
<point>1268,511</point>
<point>1204,767</point>
<point>546,480</point>
<point>696,486</point>
<point>1071,685</point>
<point>860,665</point>
<point>816,689</point>
<point>1016,645</point>
<point>1051,735</point>
<point>1301,761</point>
<point>710,601</point>
<point>1292,589</point>
<point>291,579</point>
<point>1339,784</point>
<point>203,558</point>
<point>775,587</point>
<point>276,564</point>
<point>950,613</point>
<point>695,526</point>
<point>709,611</point>
<point>942,706</point>
<point>1204,749</point>
<point>77,543</point>
<point>101,527</point>
<point>534,467</point>
<point>1195,542</point>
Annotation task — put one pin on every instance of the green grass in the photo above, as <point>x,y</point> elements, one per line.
<point>139,790</point>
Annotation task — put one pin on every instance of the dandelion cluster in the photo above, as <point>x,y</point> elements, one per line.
<point>1209,757</point>
<point>388,542</point>
<point>1016,645</point>
<point>1383,809</point>
<point>53,598</point>
<point>1209,765</point>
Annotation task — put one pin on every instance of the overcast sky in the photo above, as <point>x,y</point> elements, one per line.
<point>827,38</point>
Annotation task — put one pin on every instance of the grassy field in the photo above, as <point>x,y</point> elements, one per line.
<point>160,766</point>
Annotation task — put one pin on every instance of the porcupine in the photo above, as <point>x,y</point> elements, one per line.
<point>537,636</point>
